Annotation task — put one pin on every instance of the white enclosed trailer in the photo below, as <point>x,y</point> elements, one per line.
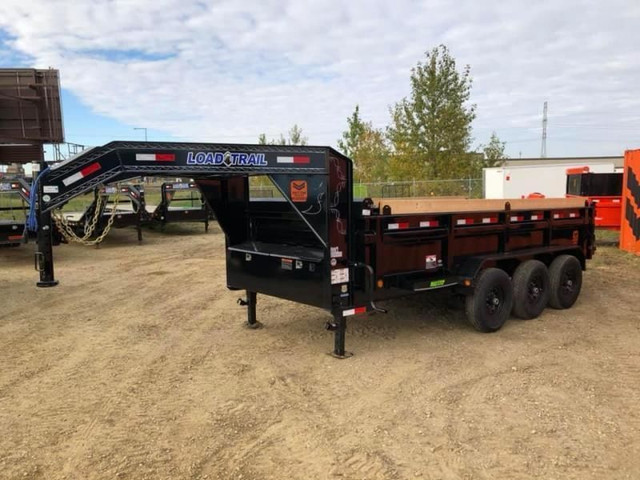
<point>520,182</point>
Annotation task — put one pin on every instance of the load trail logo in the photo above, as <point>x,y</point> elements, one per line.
<point>632,217</point>
<point>227,159</point>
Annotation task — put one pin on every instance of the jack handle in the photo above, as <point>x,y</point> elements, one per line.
<point>370,282</point>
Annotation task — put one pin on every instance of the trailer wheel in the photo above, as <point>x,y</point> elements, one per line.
<point>566,281</point>
<point>490,304</point>
<point>531,289</point>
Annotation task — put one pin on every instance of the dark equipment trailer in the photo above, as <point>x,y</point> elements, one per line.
<point>13,212</point>
<point>128,202</point>
<point>319,247</point>
<point>130,207</point>
<point>176,207</point>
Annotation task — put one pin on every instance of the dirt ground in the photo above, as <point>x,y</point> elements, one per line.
<point>138,366</point>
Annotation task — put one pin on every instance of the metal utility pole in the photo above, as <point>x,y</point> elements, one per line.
<point>543,150</point>
<point>145,130</point>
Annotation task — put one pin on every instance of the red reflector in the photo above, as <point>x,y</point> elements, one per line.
<point>398,226</point>
<point>354,311</point>
<point>165,157</point>
<point>465,221</point>
<point>15,237</point>
<point>300,159</point>
<point>89,169</point>
<point>429,223</point>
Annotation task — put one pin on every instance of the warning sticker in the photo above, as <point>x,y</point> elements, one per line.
<point>286,264</point>
<point>298,190</point>
<point>339,275</point>
<point>50,189</point>
<point>336,252</point>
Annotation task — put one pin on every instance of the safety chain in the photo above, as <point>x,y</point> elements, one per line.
<point>70,235</point>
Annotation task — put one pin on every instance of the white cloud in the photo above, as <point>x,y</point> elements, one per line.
<point>228,70</point>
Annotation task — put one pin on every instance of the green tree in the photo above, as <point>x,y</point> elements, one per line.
<point>493,152</point>
<point>367,147</point>
<point>348,144</point>
<point>430,130</point>
<point>295,137</point>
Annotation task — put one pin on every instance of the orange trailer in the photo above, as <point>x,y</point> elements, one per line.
<point>630,221</point>
<point>604,190</point>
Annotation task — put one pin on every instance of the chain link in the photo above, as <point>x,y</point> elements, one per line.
<point>70,235</point>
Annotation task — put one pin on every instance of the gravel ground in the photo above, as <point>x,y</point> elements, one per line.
<point>138,366</point>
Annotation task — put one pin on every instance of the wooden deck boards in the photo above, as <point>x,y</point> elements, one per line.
<point>453,205</point>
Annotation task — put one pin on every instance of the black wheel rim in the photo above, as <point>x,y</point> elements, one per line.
<point>535,289</point>
<point>494,300</point>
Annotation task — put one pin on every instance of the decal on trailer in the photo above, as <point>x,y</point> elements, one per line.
<point>339,275</point>
<point>50,189</point>
<point>429,223</point>
<point>85,172</point>
<point>286,264</point>
<point>335,252</point>
<point>298,190</point>
<point>295,159</point>
<point>228,159</point>
<point>155,157</point>
<point>431,261</point>
<point>437,283</point>
<point>354,311</point>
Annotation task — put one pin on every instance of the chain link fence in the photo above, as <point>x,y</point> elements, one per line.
<point>464,187</point>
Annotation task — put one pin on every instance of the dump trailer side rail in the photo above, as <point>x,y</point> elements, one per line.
<point>411,252</point>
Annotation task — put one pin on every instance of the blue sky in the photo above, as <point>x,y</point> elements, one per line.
<point>226,71</point>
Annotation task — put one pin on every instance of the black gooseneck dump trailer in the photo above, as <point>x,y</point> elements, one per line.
<point>319,247</point>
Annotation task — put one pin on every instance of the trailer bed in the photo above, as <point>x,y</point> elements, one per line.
<point>451,205</point>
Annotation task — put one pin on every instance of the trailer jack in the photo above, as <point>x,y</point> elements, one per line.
<point>339,327</point>
<point>250,302</point>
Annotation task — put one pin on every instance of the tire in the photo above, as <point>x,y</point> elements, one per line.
<point>531,289</point>
<point>491,302</point>
<point>565,273</point>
